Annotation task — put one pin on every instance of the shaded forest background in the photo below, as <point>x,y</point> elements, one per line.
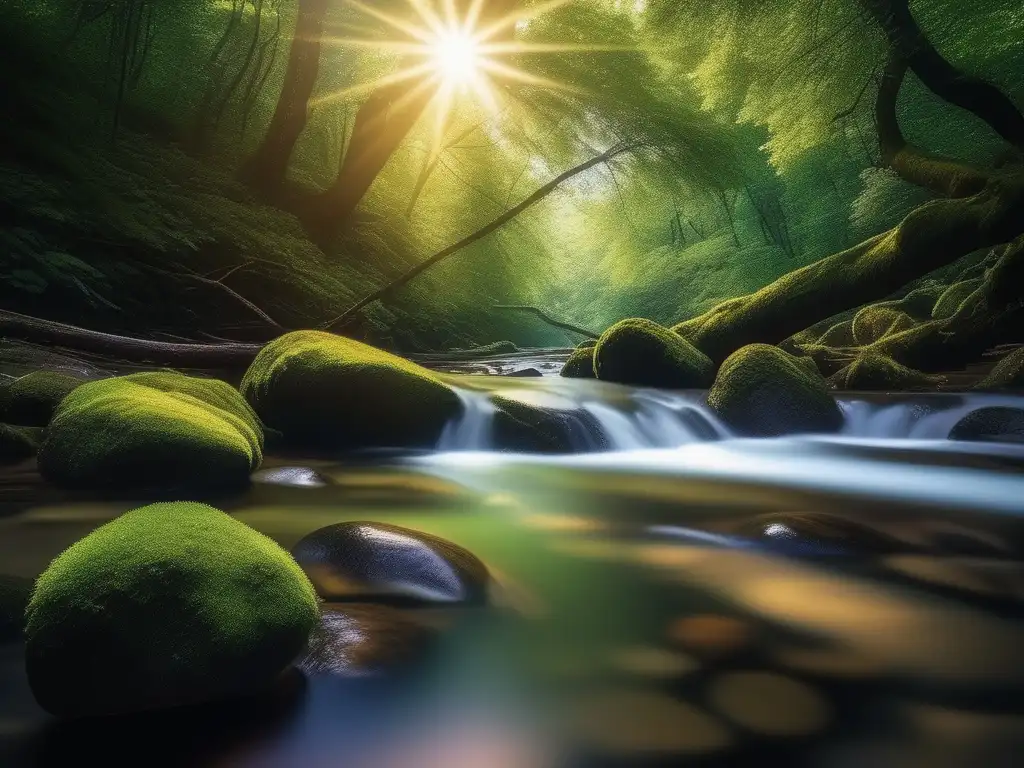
<point>128,122</point>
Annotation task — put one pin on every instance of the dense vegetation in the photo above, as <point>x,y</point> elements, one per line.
<point>159,170</point>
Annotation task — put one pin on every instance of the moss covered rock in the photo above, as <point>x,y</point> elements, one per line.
<point>1008,373</point>
<point>643,353</point>
<point>949,302</point>
<point>580,365</point>
<point>529,428</point>
<point>839,335</point>
<point>168,604</point>
<point>588,344</point>
<point>323,390</point>
<point>761,391</point>
<point>873,371</point>
<point>32,399</point>
<point>920,302</point>
<point>152,430</point>
<point>18,443</point>
<point>875,322</point>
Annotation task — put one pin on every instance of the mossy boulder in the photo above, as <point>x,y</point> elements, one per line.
<point>529,428</point>
<point>876,322</point>
<point>761,391</point>
<point>920,302</point>
<point>872,371</point>
<point>166,605</point>
<point>839,335</point>
<point>1008,373</point>
<point>588,344</point>
<point>32,399</point>
<point>580,364</point>
<point>949,302</point>
<point>18,443</point>
<point>645,354</point>
<point>157,430</point>
<point>322,390</point>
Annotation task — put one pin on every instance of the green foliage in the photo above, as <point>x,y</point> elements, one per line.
<point>166,605</point>
<point>153,431</point>
<point>321,390</point>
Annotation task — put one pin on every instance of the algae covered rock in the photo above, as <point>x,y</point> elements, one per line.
<point>1008,373</point>
<point>580,364</point>
<point>643,353</point>
<point>532,428</point>
<point>156,430</point>
<point>18,443</point>
<point>761,391</point>
<point>362,559</point>
<point>32,399</point>
<point>995,424</point>
<point>949,302</point>
<point>874,371</point>
<point>323,390</point>
<point>875,322</point>
<point>169,604</point>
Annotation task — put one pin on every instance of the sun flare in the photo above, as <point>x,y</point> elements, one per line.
<point>456,55</point>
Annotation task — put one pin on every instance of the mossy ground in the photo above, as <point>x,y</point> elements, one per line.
<point>642,353</point>
<point>322,390</point>
<point>168,604</point>
<point>156,430</point>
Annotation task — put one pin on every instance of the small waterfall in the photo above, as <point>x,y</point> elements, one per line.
<point>472,430</point>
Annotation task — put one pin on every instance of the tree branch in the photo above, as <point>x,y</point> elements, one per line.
<point>548,319</point>
<point>481,233</point>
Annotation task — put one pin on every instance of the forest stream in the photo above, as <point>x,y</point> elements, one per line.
<point>667,594</point>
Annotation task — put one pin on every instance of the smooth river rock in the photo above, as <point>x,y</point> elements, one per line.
<point>358,560</point>
<point>999,424</point>
<point>357,640</point>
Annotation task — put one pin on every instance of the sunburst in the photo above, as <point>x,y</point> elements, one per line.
<point>456,55</point>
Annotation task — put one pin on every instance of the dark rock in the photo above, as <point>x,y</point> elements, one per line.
<point>364,639</point>
<point>525,373</point>
<point>529,428</point>
<point>995,424</point>
<point>580,364</point>
<point>818,533</point>
<point>366,560</point>
<point>761,391</point>
<point>14,594</point>
<point>32,399</point>
<point>18,443</point>
<point>645,354</point>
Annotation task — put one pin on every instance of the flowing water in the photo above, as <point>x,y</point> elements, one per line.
<point>668,594</point>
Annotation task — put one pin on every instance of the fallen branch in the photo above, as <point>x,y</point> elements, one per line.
<point>548,319</point>
<point>126,348</point>
<point>236,296</point>
<point>499,222</point>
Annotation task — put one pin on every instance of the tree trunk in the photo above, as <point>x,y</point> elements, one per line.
<point>265,170</point>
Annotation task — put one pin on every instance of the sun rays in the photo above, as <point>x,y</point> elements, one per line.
<point>454,55</point>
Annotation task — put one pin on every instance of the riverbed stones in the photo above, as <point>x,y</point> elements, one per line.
<point>360,560</point>
<point>31,399</point>
<point>356,640</point>
<point>168,604</point>
<point>995,424</point>
<point>159,431</point>
<point>325,391</point>
<point>580,364</point>
<point>642,353</point>
<point>761,391</point>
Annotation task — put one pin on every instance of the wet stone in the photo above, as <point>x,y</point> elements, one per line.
<point>361,560</point>
<point>817,533</point>
<point>357,640</point>
<point>996,424</point>
<point>525,373</point>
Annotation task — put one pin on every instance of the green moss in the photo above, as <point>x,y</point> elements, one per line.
<point>876,322</point>
<point>762,391</point>
<point>32,399</point>
<point>588,344</point>
<point>18,443</point>
<point>580,365</point>
<point>1008,373</point>
<point>949,302</point>
<point>530,428</point>
<point>920,302</point>
<point>152,430</point>
<point>643,353</point>
<point>874,371</point>
<point>167,604</point>
<point>323,390</point>
<point>839,335</point>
